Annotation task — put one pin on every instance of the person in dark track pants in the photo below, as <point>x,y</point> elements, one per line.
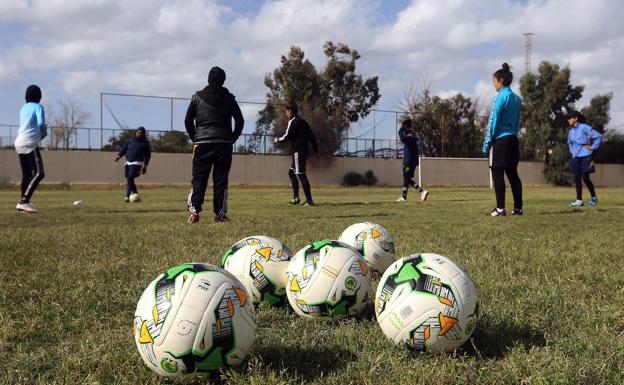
<point>501,141</point>
<point>138,153</point>
<point>299,134</point>
<point>209,125</point>
<point>410,160</point>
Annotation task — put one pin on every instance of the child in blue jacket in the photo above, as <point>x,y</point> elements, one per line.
<point>138,153</point>
<point>582,141</point>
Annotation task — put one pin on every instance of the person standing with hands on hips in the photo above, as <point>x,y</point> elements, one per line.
<point>299,134</point>
<point>138,153</point>
<point>501,141</point>
<point>583,141</point>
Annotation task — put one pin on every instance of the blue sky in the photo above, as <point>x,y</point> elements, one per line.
<point>77,49</point>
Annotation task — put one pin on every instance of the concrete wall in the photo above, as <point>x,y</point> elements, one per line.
<point>85,167</point>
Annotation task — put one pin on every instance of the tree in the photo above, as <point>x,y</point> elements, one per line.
<point>63,124</point>
<point>115,142</point>
<point>546,98</point>
<point>445,126</point>
<point>330,100</point>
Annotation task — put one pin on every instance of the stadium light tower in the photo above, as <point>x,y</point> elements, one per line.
<point>528,47</point>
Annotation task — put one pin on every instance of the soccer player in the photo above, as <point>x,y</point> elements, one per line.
<point>32,130</point>
<point>209,125</point>
<point>299,134</point>
<point>410,160</point>
<point>138,153</point>
<point>501,141</point>
<point>583,141</point>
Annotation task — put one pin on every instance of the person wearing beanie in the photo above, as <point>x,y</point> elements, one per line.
<point>501,142</point>
<point>31,132</point>
<point>138,153</point>
<point>583,141</point>
<point>208,123</point>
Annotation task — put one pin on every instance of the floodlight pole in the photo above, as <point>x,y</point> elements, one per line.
<point>101,122</point>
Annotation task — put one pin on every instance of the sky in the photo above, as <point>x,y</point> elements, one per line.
<point>80,48</point>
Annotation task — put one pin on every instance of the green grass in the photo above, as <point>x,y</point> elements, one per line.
<point>551,285</point>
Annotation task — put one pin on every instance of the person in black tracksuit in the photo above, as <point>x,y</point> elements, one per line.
<point>299,134</point>
<point>138,153</point>
<point>410,160</point>
<point>209,124</point>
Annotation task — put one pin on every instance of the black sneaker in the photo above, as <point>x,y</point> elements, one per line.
<point>517,212</point>
<point>222,218</point>
<point>496,213</point>
<point>294,201</point>
<point>193,218</point>
<point>308,203</point>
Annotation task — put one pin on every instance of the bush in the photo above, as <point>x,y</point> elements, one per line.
<point>557,169</point>
<point>353,178</point>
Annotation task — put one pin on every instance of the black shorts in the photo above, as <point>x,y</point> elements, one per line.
<point>582,165</point>
<point>408,170</point>
<point>505,152</point>
<point>298,164</point>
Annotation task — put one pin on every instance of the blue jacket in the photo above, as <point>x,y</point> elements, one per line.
<point>32,122</point>
<point>136,150</point>
<point>410,147</point>
<point>580,135</point>
<point>504,117</point>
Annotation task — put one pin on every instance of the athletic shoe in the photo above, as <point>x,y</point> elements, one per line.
<point>222,218</point>
<point>593,202</point>
<point>26,207</point>
<point>294,201</point>
<point>576,203</point>
<point>498,213</point>
<point>193,218</point>
<point>423,195</point>
<point>401,199</point>
<point>517,212</point>
<point>127,199</point>
<point>308,203</point>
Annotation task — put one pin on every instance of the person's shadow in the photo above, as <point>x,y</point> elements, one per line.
<point>495,337</point>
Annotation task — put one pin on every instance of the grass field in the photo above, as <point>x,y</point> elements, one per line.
<point>551,285</point>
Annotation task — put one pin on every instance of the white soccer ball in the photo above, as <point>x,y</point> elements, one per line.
<point>260,263</point>
<point>195,318</point>
<point>134,197</point>
<point>328,278</point>
<point>427,302</point>
<point>373,241</point>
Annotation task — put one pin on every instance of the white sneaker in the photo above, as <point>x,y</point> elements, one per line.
<point>401,199</point>
<point>26,207</point>
<point>423,195</point>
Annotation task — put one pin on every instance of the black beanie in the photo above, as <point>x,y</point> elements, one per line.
<point>33,94</point>
<point>216,77</point>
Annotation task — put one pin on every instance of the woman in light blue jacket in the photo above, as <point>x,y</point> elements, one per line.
<point>583,141</point>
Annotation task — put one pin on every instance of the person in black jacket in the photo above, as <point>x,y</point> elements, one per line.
<point>209,125</point>
<point>138,153</point>
<point>410,160</point>
<point>298,133</point>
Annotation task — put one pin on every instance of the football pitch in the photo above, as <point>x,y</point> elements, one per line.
<point>550,283</point>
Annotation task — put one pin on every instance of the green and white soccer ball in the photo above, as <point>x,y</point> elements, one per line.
<point>328,278</point>
<point>134,197</point>
<point>373,241</point>
<point>426,302</point>
<point>195,318</point>
<point>260,263</point>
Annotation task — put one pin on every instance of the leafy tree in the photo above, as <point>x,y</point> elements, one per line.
<point>171,141</point>
<point>547,96</point>
<point>115,142</point>
<point>330,100</point>
<point>445,126</point>
<point>612,148</point>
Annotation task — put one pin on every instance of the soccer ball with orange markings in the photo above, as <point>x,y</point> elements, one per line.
<point>427,302</point>
<point>260,263</point>
<point>195,318</point>
<point>373,241</point>
<point>328,278</point>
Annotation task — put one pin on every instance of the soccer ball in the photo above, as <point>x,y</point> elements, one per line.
<point>427,302</point>
<point>328,278</point>
<point>260,263</point>
<point>195,318</point>
<point>134,197</point>
<point>373,242</point>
